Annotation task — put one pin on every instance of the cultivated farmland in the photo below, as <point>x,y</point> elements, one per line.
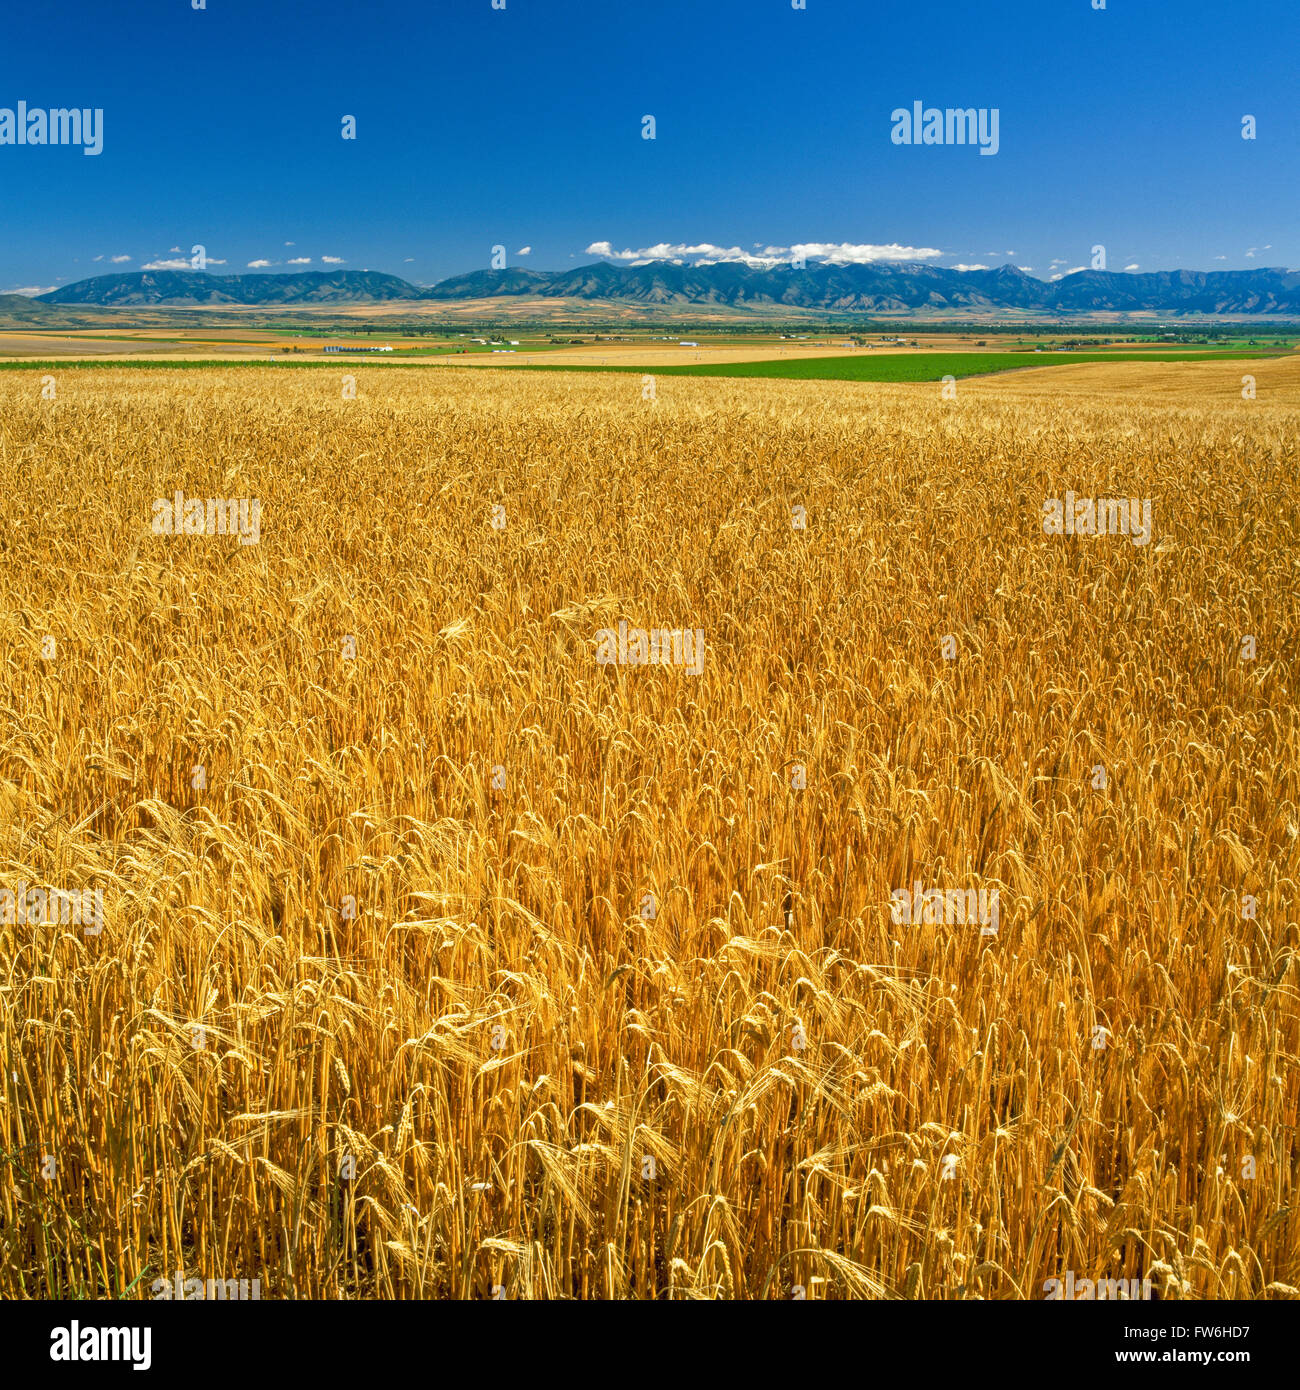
<point>439,957</point>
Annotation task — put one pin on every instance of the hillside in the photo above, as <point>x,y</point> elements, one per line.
<point>886,289</point>
<point>192,287</point>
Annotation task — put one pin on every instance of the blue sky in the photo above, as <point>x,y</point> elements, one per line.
<point>523,127</point>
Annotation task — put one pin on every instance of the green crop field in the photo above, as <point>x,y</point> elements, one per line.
<point>920,366</point>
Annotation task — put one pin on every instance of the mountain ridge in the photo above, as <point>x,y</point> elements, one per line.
<point>880,288</point>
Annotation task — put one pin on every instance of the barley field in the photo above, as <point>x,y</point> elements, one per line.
<point>441,959</point>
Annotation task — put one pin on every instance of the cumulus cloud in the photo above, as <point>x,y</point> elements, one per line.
<point>119,260</point>
<point>1134,266</point>
<point>968,267</point>
<point>298,260</point>
<point>332,260</point>
<point>261,264</point>
<point>845,253</point>
<point>524,251</point>
<point>166,265</point>
<point>764,257</point>
<point>175,249</point>
<point>1026,268</point>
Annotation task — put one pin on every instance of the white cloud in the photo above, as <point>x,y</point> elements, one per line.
<point>1220,258</point>
<point>97,258</point>
<point>261,264</point>
<point>30,290</point>
<point>1134,266</point>
<point>408,260</point>
<point>298,260</point>
<point>968,267</point>
<point>117,260</point>
<point>175,249</point>
<point>291,243</point>
<point>166,265</point>
<point>1061,274</point>
<point>332,260</point>
<point>706,253</point>
<point>213,260</point>
<point>846,253</point>
<point>1025,268</point>
<point>524,251</point>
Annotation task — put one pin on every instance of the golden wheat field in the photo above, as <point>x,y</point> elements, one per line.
<point>471,965</point>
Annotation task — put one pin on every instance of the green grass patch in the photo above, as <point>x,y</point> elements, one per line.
<point>918,366</point>
<point>862,366</point>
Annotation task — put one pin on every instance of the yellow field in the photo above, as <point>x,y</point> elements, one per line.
<point>623,1010</point>
<point>1136,386</point>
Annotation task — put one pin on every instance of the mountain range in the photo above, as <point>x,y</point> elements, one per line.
<point>842,289</point>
